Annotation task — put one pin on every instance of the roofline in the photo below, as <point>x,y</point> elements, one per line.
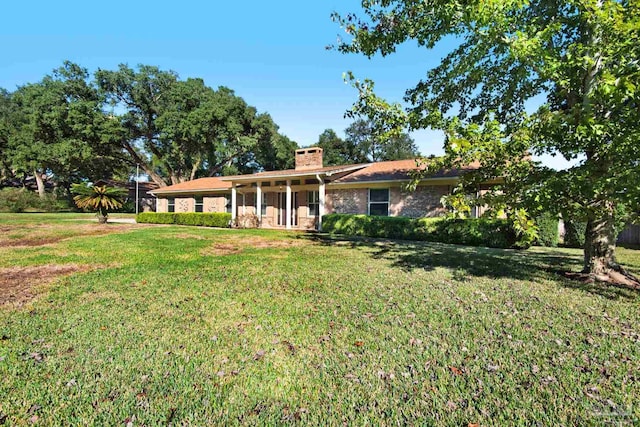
<point>385,181</point>
<point>201,190</point>
<point>423,180</point>
<point>310,172</point>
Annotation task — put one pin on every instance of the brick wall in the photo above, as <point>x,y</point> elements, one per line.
<point>184,204</point>
<point>309,158</point>
<point>347,201</point>
<point>270,219</point>
<point>423,202</point>
<point>214,204</point>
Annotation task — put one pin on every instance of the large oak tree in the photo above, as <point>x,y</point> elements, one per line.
<point>578,59</point>
<point>178,130</point>
<point>56,127</point>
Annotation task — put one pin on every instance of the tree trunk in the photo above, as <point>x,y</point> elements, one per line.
<point>600,244</point>
<point>194,169</point>
<point>102,216</point>
<point>143,164</point>
<point>39,182</point>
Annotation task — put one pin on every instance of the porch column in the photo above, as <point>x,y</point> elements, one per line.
<point>288,210</point>
<point>244,204</point>
<point>320,202</point>
<point>259,202</point>
<point>234,205</point>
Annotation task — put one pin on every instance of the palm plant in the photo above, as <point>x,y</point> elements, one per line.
<point>100,198</point>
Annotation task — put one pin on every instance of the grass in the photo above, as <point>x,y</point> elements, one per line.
<point>177,325</point>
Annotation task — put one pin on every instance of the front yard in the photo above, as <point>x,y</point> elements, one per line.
<point>151,325</point>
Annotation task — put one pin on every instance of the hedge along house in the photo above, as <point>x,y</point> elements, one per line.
<point>298,198</point>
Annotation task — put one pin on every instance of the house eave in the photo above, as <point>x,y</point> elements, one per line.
<point>312,173</point>
<point>187,191</point>
<point>391,181</point>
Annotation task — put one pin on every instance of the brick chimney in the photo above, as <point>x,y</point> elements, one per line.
<point>308,158</point>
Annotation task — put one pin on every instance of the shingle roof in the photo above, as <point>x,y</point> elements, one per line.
<point>201,184</point>
<point>295,172</point>
<point>398,170</point>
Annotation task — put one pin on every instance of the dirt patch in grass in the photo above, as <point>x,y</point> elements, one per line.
<point>47,234</point>
<point>261,243</point>
<point>187,236</point>
<point>17,283</point>
<point>218,249</point>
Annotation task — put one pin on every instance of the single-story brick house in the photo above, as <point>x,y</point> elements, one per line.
<point>297,198</point>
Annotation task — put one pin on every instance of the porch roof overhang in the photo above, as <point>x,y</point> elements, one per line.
<point>190,191</point>
<point>293,173</point>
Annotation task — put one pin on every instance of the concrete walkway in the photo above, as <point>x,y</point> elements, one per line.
<point>122,220</point>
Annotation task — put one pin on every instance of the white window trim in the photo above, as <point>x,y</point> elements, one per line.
<point>263,204</point>
<point>228,208</point>
<point>315,195</point>
<point>171,201</point>
<point>195,204</point>
<point>369,202</point>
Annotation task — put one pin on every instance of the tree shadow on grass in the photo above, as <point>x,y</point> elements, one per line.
<point>468,262</point>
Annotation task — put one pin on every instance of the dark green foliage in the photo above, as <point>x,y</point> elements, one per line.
<point>212,219</point>
<point>496,233</point>
<point>547,224</point>
<point>574,233</point>
<point>21,200</point>
<point>178,130</point>
<point>578,61</point>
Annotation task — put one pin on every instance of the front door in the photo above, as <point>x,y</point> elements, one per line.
<point>282,209</point>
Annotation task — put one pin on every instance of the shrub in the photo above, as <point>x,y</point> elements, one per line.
<point>247,221</point>
<point>547,230</point>
<point>497,233</point>
<point>20,200</point>
<point>100,198</point>
<point>574,233</point>
<point>213,219</point>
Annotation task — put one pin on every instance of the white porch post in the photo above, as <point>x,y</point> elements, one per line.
<point>288,210</point>
<point>244,205</point>
<point>259,202</point>
<point>320,202</point>
<point>234,205</point>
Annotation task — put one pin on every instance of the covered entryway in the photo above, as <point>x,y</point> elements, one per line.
<point>282,209</point>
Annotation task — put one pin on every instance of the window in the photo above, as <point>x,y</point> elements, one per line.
<point>313,202</point>
<point>227,198</point>
<point>263,204</point>
<point>198,204</point>
<point>379,201</point>
<point>171,205</point>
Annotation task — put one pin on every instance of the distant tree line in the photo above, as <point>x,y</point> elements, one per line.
<point>362,144</point>
<point>72,126</point>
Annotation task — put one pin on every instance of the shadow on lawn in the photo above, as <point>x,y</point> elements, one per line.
<point>468,262</point>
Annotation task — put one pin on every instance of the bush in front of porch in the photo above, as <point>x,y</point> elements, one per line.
<point>209,219</point>
<point>494,233</point>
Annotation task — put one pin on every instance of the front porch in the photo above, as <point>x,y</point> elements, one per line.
<point>281,204</point>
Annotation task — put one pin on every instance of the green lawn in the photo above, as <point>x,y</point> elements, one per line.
<point>178,325</point>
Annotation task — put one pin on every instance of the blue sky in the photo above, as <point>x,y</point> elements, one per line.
<point>271,53</point>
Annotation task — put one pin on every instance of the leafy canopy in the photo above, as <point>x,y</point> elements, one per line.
<point>364,144</point>
<point>579,59</point>
<point>178,130</point>
<point>57,126</point>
